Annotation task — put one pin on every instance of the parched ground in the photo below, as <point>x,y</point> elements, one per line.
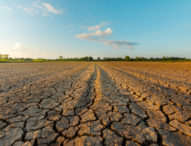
<point>106,103</point>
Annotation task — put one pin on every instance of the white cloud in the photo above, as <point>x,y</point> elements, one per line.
<point>29,10</point>
<point>96,34</point>
<point>104,33</point>
<point>97,27</point>
<point>18,50</point>
<point>13,50</point>
<point>17,46</point>
<point>38,7</point>
<point>100,36</point>
<point>7,8</point>
<point>50,8</point>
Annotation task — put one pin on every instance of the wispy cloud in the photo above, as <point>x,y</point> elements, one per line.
<point>19,50</point>
<point>97,35</point>
<point>29,10</point>
<point>97,27</point>
<point>12,50</point>
<point>7,8</point>
<point>119,44</point>
<point>17,46</point>
<point>43,8</point>
<point>51,9</point>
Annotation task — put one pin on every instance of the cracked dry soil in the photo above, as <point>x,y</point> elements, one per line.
<point>106,103</point>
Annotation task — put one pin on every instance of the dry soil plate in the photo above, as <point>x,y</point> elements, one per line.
<point>106,103</point>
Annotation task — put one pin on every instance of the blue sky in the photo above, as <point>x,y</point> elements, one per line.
<point>75,28</point>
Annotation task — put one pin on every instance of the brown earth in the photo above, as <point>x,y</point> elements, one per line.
<point>106,103</point>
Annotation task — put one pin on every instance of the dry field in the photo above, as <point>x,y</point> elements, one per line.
<point>112,103</point>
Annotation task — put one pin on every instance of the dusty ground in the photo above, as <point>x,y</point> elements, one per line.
<point>95,104</point>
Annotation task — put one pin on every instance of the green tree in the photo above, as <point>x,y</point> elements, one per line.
<point>6,56</point>
<point>61,58</point>
<point>127,58</point>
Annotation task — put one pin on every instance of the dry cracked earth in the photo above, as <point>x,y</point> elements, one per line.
<point>78,103</point>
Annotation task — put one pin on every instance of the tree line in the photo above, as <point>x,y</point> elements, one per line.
<point>5,58</point>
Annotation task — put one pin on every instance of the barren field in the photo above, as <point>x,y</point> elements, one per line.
<point>87,103</point>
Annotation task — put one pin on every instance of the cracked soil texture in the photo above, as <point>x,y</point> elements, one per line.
<point>90,103</point>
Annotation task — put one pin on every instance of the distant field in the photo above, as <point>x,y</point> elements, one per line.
<point>95,103</point>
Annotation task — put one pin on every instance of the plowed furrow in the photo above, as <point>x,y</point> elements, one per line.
<point>92,103</point>
<point>162,81</point>
<point>155,106</point>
